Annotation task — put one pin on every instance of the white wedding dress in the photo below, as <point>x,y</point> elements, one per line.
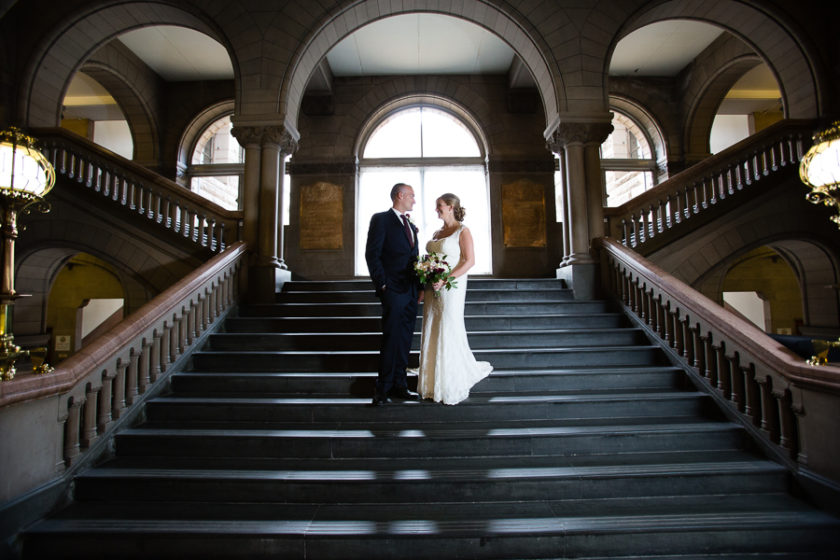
<point>448,369</point>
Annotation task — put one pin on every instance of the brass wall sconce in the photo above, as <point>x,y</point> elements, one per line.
<point>820,169</point>
<point>26,176</point>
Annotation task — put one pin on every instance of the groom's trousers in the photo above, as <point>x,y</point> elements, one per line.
<point>399,313</point>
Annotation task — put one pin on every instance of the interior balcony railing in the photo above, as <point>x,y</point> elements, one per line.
<point>693,197</point>
<point>133,188</point>
<point>780,398</point>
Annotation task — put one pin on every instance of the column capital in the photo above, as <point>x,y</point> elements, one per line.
<point>584,130</point>
<point>259,136</point>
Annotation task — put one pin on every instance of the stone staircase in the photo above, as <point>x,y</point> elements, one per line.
<point>583,443</point>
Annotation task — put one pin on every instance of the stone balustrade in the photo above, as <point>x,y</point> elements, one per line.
<point>163,203</point>
<point>688,197</point>
<point>771,391</point>
<point>57,417</point>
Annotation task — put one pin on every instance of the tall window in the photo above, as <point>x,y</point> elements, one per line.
<point>217,165</point>
<point>434,152</point>
<point>627,162</point>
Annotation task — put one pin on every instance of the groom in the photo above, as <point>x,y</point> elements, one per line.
<point>390,253</point>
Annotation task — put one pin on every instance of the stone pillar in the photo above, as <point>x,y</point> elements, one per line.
<point>265,150</point>
<point>577,140</point>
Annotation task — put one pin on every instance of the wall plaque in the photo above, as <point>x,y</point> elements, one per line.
<point>523,214</point>
<point>321,216</point>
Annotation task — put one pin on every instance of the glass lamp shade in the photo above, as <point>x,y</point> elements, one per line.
<point>820,169</point>
<point>24,171</point>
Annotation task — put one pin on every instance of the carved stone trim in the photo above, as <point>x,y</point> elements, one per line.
<point>266,135</point>
<point>578,133</point>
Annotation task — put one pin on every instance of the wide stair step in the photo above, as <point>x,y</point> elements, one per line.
<point>585,442</point>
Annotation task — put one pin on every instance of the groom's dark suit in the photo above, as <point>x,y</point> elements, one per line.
<point>390,258</point>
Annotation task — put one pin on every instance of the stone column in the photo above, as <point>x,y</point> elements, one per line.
<point>266,147</point>
<point>576,140</point>
<point>250,137</point>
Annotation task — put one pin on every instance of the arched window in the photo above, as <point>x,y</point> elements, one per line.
<point>217,165</point>
<point>627,161</point>
<point>435,152</point>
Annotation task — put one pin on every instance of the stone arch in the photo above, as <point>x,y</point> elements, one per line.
<point>36,273</point>
<point>796,69</point>
<point>701,115</point>
<point>63,52</point>
<point>507,27</point>
<point>144,130</point>
<point>651,127</point>
<point>816,270</point>
<point>194,130</point>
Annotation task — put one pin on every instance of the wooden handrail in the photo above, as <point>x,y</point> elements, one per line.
<point>757,377</point>
<point>700,188</point>
<point>132,187</point>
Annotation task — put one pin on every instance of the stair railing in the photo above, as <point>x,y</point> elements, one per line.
<point>761,382</point>
<point>688,196</point>
<point>101,383</point>
<point>131,187</point>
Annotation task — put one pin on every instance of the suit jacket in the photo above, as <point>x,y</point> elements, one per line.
<point>389,254</point>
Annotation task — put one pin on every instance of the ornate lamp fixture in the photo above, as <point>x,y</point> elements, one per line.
<point>820,169</point>
<point>26,176</point>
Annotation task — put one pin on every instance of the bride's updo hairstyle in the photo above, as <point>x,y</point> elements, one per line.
<point>458,211</point>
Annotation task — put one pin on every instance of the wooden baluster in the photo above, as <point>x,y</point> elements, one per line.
<point>701,355</point>
<point>762,168</point>
<point>724,380</point>
<point>183,331</point>
<point>144,374</point>
<point>736,392</point>
<point>131,378</point>
<point>154,358</point>
<point>679,334</point>
<point>192,322</point>
<point>165,342</point>
<point>175,338</point>
<point>71,431</point>
<point>210,239</point>
<point>752,404</point>
<point>105,401</point>
<point>118,404</point>
<point>88,432</point>
<point>712,366</point>
<point>787,423</point>
<point>769,410</point>
<point>167,213</point>
<point>667,323</point>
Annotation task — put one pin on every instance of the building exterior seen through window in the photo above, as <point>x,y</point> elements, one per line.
<point>627,162</point>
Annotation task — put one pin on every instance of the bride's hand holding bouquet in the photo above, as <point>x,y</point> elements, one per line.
<point>433,269</point>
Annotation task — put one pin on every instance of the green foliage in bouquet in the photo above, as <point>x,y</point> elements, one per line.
<point>432,268</point>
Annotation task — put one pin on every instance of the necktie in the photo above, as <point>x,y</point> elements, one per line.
<point>408,231</point>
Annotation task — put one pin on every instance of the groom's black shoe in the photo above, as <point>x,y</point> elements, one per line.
<point>404,394</point>
<point>379,400</point>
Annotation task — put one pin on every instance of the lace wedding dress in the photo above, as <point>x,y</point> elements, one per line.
<point>448,369</point>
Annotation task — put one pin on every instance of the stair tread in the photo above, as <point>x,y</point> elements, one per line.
<point>436,475</point>
<point>413,510</point>
<point>731,521</point>
<point>433,433</point>
<point>474,400</point>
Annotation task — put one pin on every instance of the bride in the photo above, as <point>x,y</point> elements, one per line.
<point>447,367</point>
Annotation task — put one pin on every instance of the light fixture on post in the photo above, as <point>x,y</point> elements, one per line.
<point>820,169</point>
<point>26,176</point>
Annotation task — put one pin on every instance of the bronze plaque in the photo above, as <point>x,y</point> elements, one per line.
<point>321,216</point>
<point>523,214</point>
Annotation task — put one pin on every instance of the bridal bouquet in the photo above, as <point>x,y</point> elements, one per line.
<point>433,267</point>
